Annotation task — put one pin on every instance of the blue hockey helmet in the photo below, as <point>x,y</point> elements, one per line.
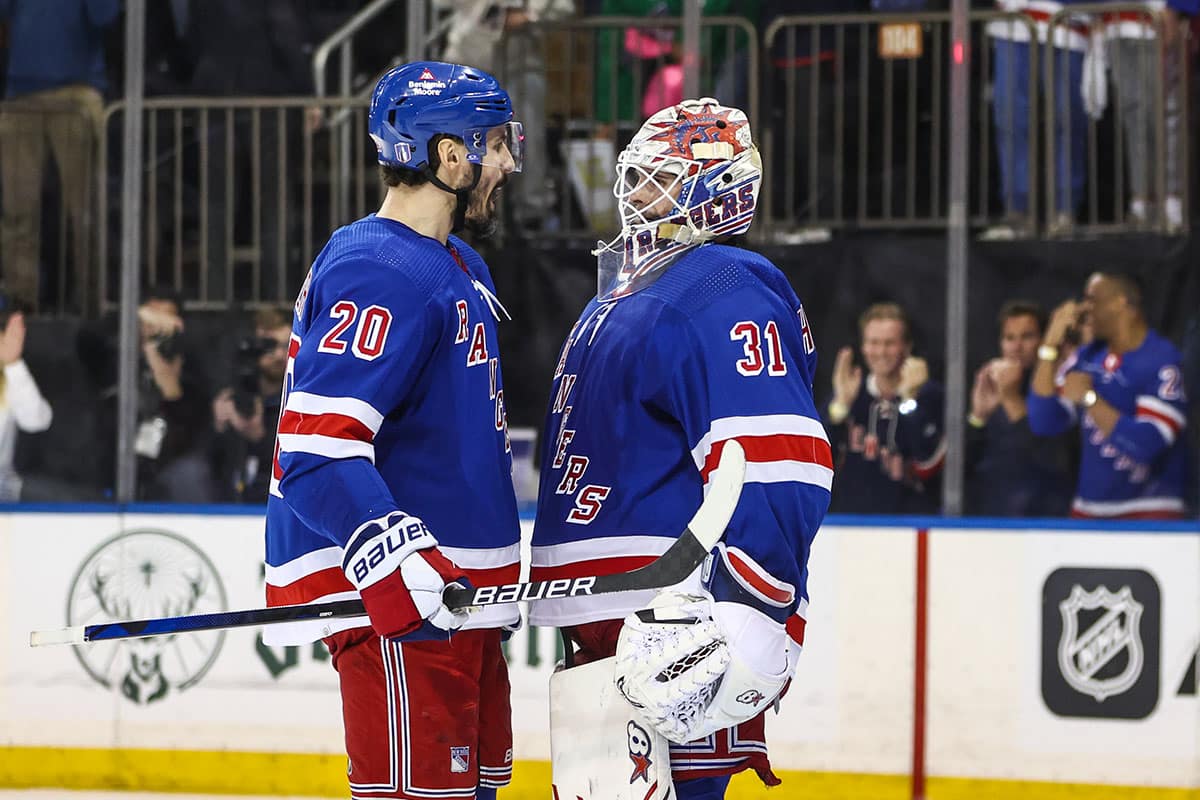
<point>415,102</point>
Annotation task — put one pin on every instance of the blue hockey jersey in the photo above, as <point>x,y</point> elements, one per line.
<point>646,391</point>
<point>1140,469</point>
<point>393,400</point>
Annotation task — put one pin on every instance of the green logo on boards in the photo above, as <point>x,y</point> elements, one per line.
<point>147,574</point>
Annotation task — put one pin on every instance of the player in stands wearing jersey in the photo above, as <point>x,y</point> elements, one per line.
<point>393,471</point>
<point>688,344</point>
<point>1125,389</point>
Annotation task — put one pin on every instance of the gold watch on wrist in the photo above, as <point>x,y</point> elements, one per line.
<point>1047,352</point>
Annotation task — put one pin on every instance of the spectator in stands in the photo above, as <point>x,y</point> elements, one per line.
<point>503,40</point>
<point>245,413</point>
<point>1137,66</point>
<point>1012,102</point>
<point>1011,472</point>
<point>1125,389</point>
<point>22,407</point>
<point>53,100</point>
<point>172,404</point>
<point>627,61</point>
<point>886,431</point>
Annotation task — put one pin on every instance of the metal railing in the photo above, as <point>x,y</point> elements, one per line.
<point>857,134</point>
<point>849,111</point>
<point>601,75</point>
<point>238,192</point>
<point>1148,147</point>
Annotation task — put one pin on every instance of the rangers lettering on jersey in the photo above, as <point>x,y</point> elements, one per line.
<point>389,318</point>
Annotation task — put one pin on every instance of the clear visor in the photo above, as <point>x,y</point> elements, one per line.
<point>649,192</point>
<point>502,147</point>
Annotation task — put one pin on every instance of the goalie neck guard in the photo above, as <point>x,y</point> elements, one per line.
<point>689,176</point>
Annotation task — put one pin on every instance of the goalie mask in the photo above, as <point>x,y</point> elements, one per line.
<point>689,176</point>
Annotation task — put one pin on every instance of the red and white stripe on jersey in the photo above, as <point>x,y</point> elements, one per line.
<point>495,777</point>
<point>796,624</point>
<point>601,556</point>
<point>718,753</point>
<point>756,580</point>
<point>1138,508</point>
<point>318,577</point>
<point>1163,416</point>
<point>334,427</point>
<point>931,466</point>
<point>312,576</point>
<point>1069,32</point>
<point>1132,24</point>
<point>779,448</point>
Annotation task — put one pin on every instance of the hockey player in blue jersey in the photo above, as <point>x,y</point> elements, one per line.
<point>1125,390</point>
<point>393,473</point>
<point>688,344</point>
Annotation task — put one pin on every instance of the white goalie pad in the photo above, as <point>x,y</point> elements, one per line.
<point>600,749</point>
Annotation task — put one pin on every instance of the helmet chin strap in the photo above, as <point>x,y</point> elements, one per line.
<point>463,195</point>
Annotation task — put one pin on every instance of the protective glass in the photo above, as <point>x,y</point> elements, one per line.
<point>502,147</point>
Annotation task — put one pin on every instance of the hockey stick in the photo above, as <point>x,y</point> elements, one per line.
<point>681,558</point>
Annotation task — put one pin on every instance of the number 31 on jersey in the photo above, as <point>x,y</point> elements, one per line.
<point>762,347</point>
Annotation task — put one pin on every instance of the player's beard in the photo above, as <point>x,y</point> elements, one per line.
<point>482,212</point>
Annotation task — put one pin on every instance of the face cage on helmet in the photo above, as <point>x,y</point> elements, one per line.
<point>512,136</point>
<point>663,177</point>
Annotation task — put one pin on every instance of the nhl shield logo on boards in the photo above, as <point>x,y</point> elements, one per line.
<point>1083,654</point>
<point>1100,642</point>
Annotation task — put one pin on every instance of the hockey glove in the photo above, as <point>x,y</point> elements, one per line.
<point>400,574</point>
<point>694,665</point>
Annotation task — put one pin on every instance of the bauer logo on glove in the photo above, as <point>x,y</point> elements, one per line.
<point>394,540</point>
<point>398,570</point>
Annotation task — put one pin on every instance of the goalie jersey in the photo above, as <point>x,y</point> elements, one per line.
<point>1139,471</point>
<point>393,400</point>
<point>646,391</point>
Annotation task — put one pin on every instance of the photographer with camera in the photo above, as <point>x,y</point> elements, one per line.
<point>244,413</point>
<point>172,403</point>
<point>22,406</point>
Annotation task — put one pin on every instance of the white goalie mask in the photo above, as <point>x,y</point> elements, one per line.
<point>689,176</point>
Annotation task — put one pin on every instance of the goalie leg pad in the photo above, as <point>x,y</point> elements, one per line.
<point>600,747</point>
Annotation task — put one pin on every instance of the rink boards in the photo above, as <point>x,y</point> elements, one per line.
<point>982,661</point>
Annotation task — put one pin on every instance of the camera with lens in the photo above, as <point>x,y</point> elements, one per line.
<point>246,372</point>
<point>169,345</point>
